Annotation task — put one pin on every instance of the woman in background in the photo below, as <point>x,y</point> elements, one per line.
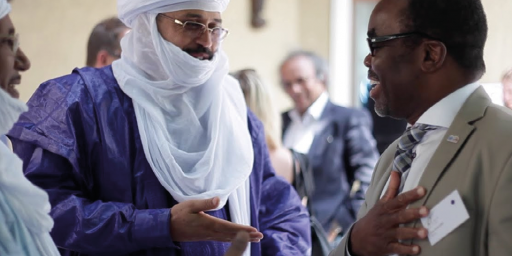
<point>258,99</point>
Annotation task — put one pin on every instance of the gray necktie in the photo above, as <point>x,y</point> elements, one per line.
<point>404,153</point>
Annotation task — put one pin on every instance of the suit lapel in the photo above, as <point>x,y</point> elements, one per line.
<point>457,134</point>
<point>386,163</point>
<point>324,133</point>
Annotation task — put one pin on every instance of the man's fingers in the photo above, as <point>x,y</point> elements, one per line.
<point>195,206</point>
<point>401,249</point>
<point>404,199</point>
<point>409,215</point>
<point>224,226</point>
<point>403,233</point>
<point>238,245</point>
<point>393,186</point>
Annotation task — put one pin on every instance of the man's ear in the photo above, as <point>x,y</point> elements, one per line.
<point>102,58</point>
<point>434,55</point>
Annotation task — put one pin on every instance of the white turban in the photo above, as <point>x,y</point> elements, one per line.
<point>130,9</point>
<point>5,8</point>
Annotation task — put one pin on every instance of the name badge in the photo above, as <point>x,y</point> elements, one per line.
<point>445,217</point>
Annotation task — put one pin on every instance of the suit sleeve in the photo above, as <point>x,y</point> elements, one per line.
<point>53,139</point>
<point>500,215</point>
<point>362,155</point>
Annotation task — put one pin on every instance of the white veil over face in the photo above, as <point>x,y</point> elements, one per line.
<point>191,114</point>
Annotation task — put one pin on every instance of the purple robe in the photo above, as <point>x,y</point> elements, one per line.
<point>80,142</point>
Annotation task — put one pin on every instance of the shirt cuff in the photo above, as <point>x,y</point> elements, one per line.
<point>152,228</point>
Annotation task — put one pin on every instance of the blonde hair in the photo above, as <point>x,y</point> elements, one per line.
<point>259,100</point>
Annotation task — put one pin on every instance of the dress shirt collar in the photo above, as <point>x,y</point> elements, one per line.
<point>443,112</point>
<point>314,111</point>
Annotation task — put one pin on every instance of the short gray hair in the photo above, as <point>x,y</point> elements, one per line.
<point>320,64</point>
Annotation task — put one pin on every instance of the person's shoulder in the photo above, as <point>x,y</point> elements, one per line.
<point>83,87</point>
<point>348,114</point>
<point>497,121</point>
<point>254,124</point>
<point>79,78</point>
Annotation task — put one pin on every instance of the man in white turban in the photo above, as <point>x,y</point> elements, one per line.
<point>157,153</point>
<point>25,222</point>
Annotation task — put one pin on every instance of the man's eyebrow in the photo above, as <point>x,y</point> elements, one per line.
<point>199,16</point>
<point>371,33</point>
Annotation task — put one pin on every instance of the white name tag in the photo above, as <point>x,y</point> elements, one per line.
<point>445,217</point>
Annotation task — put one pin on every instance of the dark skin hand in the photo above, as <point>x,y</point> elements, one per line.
<point>190,223</point>
<point>378,233</point>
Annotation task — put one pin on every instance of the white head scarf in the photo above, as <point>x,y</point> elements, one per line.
<point>28,202</point>
<point>191,115</point>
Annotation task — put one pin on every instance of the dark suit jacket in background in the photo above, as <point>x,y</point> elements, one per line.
<point>342,152</point>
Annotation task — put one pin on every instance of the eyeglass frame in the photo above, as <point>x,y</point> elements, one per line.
<point>205,27</point>
<point>381,39</point>
<point>15,40</point>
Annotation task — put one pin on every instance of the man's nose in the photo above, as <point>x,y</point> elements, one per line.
<point>296,88</point>
<point>22,63</point>
<point>205,40</point>
<point>368,60</point>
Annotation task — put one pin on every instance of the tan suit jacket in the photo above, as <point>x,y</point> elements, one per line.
<point>479,166</point>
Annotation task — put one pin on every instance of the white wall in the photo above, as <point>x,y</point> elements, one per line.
<point>53,34</point>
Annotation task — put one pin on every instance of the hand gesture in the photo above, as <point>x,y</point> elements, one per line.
<point>379,232</point>
<point>238,245</point>
<point>189,223</point>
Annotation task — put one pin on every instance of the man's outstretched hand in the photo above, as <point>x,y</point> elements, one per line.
<point>238,245</point>
<point>189,223</point>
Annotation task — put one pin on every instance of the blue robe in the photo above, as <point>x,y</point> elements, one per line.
<point>80,142</point>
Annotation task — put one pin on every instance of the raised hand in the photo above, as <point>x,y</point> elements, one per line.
<point>378,233</point>
<point>189,223</point>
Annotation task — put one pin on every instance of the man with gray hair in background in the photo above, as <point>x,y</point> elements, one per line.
<point>337,140</point>
<point>157,153</point>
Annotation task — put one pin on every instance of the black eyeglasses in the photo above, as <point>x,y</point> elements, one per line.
<point>196,29</point>
<point>379,39</point>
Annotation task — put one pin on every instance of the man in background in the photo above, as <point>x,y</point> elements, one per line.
<point>337,140</point>
<point>506,82</point>
<point>104,45</point>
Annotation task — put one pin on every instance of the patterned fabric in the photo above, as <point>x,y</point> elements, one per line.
<point>405,149</point>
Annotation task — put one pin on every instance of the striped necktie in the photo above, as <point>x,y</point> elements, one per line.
<point>405,149</point>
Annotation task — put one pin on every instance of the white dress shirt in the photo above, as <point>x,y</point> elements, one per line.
<point>303,129</point>
<point>442,115</point>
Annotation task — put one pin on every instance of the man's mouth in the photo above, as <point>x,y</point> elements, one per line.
<point>374,82</point>
<point>200,56</point>
<point>10,88</point>
<point>200,53</point>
